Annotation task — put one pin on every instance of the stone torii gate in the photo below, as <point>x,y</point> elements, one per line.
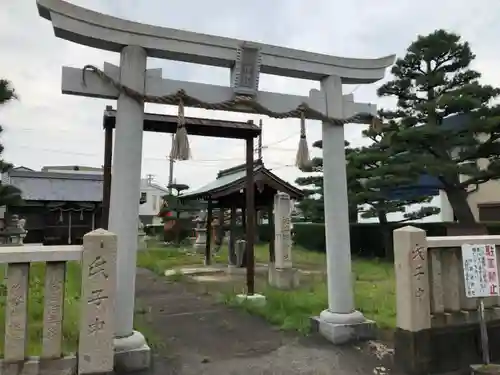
<point>135,42</point>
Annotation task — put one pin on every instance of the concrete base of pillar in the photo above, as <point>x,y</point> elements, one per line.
<point>132,353</point>
<point>344,328</point>
<point>284,278</point>
<point>256,299</point>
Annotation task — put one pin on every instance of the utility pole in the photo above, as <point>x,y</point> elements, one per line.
<point>259,144</point>
<point>149,179</point>
<point>171,170</point>
<point>259,158</point>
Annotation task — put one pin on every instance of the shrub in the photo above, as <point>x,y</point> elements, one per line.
<point>366,238</point>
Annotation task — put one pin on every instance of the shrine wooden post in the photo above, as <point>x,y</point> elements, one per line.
<point>106,185</point>
<point>250,218</point>
<point>208,256</point>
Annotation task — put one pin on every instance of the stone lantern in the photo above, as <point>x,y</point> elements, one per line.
<point>201,234</point>
<point>13,233</point>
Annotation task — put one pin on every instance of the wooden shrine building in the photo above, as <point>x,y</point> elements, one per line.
<point>228,191</point>
<point>59,208</point>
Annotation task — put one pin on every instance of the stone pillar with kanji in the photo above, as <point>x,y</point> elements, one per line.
<point>282,275</point>
<point>413,306</point>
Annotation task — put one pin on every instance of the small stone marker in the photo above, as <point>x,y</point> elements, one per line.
<point>95,351</point>
<point>281,273</point>
<point>283,232</point>
<point>412,279</point>
<point>413,305</point>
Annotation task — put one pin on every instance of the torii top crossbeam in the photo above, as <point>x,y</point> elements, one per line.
<point>101,31</point>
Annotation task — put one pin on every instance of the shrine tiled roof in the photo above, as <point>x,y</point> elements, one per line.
<point>233,179</point>
<point>52,186</point>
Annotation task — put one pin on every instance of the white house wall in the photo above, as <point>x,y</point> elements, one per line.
<point>446,210</point>
<point>488,192</point>
<point>153,200</point>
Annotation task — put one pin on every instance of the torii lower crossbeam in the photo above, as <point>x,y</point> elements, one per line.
<point>195,126</point>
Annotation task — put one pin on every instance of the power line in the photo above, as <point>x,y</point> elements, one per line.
<point>282,149</point>
<point>204,162</point>
<point>282,166</point>
<point>281,140</point>
<point>354,89</point>
<point>146,158</point>
<point>170,170</point>
<point>256,150</point>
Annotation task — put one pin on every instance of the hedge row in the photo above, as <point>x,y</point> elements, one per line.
<point>367,239</point>
<point>183,229</point>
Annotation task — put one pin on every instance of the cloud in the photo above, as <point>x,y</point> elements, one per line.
<point>45,127</point>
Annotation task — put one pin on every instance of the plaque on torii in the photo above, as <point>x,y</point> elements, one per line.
<point>246,60</point>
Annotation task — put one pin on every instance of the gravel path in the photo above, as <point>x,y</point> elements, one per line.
<point>195,335</point>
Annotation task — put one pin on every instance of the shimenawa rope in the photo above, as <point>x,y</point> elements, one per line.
<point>237,101</point>
<point>180,147</point>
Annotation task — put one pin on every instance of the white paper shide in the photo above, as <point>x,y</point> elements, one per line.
<point>480,270</point>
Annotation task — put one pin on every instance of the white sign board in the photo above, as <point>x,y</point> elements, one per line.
<point>480,270</point>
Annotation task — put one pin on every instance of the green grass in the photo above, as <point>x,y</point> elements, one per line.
<point>35,308</point>
<point>374,286</point>
<point>142,324</point>
<point>290,310</point>
<point>159,260</point>
<point>71,313</point>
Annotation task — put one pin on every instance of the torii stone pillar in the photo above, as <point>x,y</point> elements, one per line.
<point>340,320</point>
<point>125,188</point>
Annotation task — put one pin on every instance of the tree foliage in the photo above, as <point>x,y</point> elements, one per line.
<point>372,175</point>
<point>173,204</point>
<point>431,82</point>
<point>9,195</point>
<point>312,206</point>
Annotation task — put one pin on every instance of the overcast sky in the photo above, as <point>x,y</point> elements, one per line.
<point>47,128</point>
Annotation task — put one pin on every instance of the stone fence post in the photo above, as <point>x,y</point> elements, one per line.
<point>95,349</point>
<point>412,300</point>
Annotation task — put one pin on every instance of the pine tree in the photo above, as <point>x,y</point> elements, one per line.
<point>431,82</point>
<point>172,209</point>
<point>377,181</point>
<point>374,180</point>
<point>174,205</point>
<point>9,195</point>
<point>383,184</point>
<point>312,206</point>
